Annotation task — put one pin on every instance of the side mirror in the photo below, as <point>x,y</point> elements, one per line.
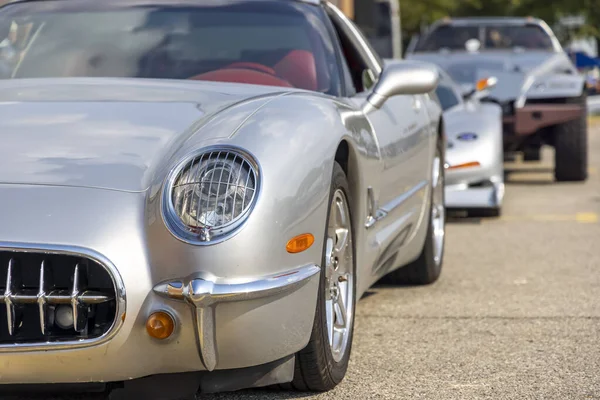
<point>481,88</point>
<point>402,78</point>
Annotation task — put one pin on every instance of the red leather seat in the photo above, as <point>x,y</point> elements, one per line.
<point>298,68</point>
<point>238,75</point>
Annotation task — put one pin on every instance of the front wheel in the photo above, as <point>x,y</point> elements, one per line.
<point>427,268</point>
<point>322,364</point>
<point>571,148</point>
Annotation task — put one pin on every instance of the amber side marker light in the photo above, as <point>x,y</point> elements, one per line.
<point>160,325</point>
<point>465,165</point>
<point>300,243</point>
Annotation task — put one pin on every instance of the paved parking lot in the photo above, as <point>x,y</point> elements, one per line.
<point>516,313</point>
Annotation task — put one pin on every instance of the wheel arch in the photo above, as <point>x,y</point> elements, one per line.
<point>346,157</point>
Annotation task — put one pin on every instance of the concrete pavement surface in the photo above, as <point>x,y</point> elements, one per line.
<point>515,315</point>
<point>594,104</point>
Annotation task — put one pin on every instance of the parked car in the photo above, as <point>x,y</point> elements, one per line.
<point>195,194</point>
<point>474,156</point>
<point>542,95</point>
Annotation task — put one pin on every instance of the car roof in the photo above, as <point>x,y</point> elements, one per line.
<point>6,2</point>
<point>467,21</point>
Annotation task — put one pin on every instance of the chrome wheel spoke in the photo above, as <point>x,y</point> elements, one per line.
<point>341,240</point>
<point>341,220</point>
<point>340,312</point>
<point>330,315</point>
<point>438,210</point>
<point>339,276</point>
<point>329,258</point>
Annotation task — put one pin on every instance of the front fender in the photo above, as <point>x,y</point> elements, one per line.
<point>553,86</point>
<point>294,140</point>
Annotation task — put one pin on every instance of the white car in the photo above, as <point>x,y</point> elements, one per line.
<point>474,154</point>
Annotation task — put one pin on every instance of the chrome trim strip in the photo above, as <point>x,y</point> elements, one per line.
<point>390,206</point>
<point>397,202</point>
<point>204,294</point>
<point>63,298</point>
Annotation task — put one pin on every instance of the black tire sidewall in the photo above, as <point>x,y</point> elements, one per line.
<point>572,137</point>
<point>337,370</point>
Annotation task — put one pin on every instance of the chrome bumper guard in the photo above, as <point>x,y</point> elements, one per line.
<point>463,196</point>
<point>204,293</point>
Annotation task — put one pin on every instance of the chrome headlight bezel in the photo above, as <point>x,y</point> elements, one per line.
<point>208,236</point>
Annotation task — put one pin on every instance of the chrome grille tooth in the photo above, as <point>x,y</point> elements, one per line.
<point>42,300</point>
<point>79,309</point>
<point>37,286</point>
<point>8,301</point>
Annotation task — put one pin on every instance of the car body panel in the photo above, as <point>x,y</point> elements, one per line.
<point>79,122</point>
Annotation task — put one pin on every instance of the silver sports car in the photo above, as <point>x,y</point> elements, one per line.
<point>541,92</point>
<point>474,156</point>
<point>196,193</point>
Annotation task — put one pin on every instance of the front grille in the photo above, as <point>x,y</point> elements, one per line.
<point>54,298</point>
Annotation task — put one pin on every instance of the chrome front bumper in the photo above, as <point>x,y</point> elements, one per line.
<point>463,196</point>
<point>234,323</point>
<point>204,294</point>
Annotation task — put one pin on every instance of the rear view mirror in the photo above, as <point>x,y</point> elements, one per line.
<point>402,78</point>
<point>472,45</point>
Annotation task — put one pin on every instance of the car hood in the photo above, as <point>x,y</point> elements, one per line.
<point>510,68</point>
<point>111,133</point>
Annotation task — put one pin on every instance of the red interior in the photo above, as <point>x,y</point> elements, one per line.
<point>236,75</point>
<point>296,69</point>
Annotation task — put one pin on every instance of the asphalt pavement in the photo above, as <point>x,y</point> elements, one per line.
<point>594,104</point>
<point>515,314</point>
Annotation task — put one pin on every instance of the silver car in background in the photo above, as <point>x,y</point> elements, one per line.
<point>474,156</point>
<point>194,194</point>
<point>539,88</point>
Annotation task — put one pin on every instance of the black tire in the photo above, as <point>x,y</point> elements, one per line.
<point>493,212</point>
<point>571,148</point>
<point>532,154</point>
<point>315,369</point>
<point>424,270</point>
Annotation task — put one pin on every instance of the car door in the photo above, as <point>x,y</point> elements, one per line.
<point>404,133</point>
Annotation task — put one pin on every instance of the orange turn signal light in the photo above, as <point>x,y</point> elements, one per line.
<point>482,84</point>
<point>300,243</point>
<point>160,325</point>
<point>465,165</point>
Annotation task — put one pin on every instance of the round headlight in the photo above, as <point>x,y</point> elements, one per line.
<point>211,194</point>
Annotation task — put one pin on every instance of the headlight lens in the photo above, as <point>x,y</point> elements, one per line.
<point>211,194</point>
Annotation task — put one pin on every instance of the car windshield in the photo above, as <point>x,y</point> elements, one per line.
<point>447,97</point>
<point>256,42</point>
<point>491,37</point>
